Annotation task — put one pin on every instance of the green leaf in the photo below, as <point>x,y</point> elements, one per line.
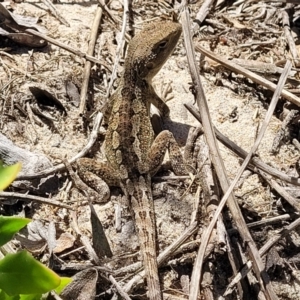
<point>9,226</point>
<point>20,273</point>
<point>31,297</point>
<point>8,174</point>
<point>4,296</point>
<point>64,282</point>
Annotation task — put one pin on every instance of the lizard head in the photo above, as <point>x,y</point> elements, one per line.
<point>150,48</point>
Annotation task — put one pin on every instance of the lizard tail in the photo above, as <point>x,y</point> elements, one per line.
<point>143,211</point>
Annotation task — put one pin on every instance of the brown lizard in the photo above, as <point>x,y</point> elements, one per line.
<point>132,152</point>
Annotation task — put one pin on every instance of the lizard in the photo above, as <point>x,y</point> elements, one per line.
<point>133,153</point>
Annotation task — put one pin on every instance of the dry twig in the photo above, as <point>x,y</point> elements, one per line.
<point>256,78</point>
<point>119,288</point>
<point>219,166</point>
<point>289,38</point>
<point>88,64</point>
<point>70,49</point>
<point>82,153</point>
<point>25,197</point>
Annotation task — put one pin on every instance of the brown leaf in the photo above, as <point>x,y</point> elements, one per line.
<point>13,26</point>
<point>83,286</point>
<point>65,241</point>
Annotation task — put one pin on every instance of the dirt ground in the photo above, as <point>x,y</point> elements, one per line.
<point>237,107</point>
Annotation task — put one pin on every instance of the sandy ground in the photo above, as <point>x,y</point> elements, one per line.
<point>51,66</point>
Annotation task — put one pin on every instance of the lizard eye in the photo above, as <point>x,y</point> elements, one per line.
<point>162,44</point>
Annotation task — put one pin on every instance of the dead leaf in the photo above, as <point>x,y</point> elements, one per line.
<point>46,98</point>
<point>73,93</point>
<point>65,241</point>
<point>13,26</point>
<point>83,286</point>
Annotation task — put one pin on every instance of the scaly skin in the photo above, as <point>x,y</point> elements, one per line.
<point>132,152</point>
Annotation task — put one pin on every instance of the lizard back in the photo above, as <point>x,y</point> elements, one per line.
<point>130,135</point>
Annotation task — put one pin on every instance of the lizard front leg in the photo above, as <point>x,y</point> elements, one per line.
<point>159,103</point>
<point>107,108</point>
<point>158,109</point>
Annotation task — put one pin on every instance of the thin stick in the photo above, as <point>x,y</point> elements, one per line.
<point>68,48</point>
<point>82,153</point>
<point>289,38</point>
<point>108,11</point>
<point>55,13</point>
<point>88,64</point>
<point>254,77</point>
<point>242,153</point>
<point>38,199</point>
<point>123,294</point>
<point>220,169</point>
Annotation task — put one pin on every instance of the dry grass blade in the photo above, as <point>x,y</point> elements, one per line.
<point>25,197</point>
<point>83,152</point>
<point>88,64</point>
<point>68,48</point>
<point>219,166</point>
<point>243,154</point>
<point>256,78</point>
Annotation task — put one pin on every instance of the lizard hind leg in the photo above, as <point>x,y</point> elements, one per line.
<point>166,141</point>
<point>97,174</point>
